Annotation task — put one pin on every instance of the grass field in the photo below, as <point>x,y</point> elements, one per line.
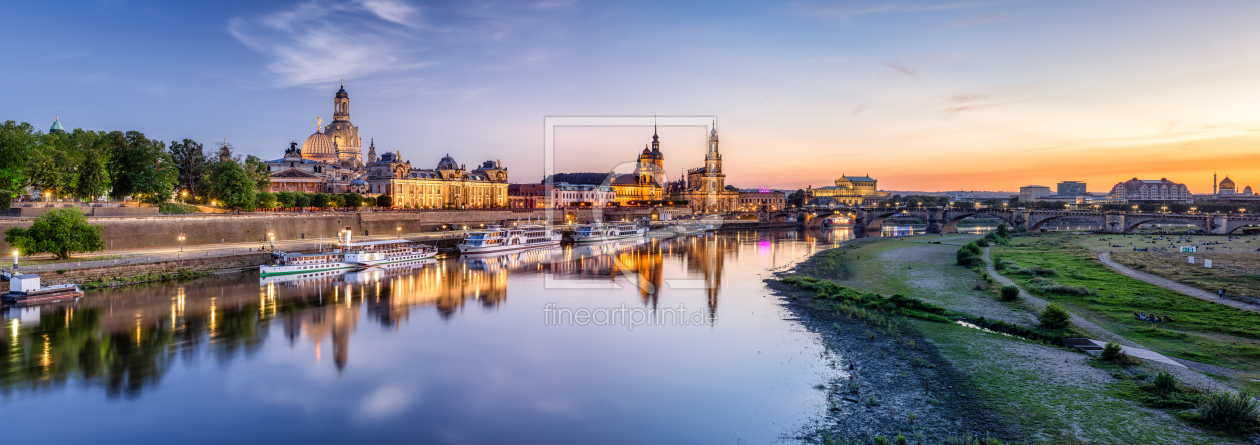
<point>1175,267</point>
<point>1201,331</point>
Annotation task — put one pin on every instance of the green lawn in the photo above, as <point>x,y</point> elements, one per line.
<point>1202,331</point>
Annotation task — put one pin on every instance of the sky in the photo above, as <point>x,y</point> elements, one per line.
<point>922,95</point>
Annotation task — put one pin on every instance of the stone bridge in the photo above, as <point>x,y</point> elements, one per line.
<point>945,219</point>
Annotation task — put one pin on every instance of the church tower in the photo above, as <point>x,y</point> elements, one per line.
<point>341,105</point>
<point>343,133</point>
<point>372,151</point>
<point>714,179</point>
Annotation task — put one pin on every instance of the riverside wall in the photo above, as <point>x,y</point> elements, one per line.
<point>131,232</point>
<point>130,271</point>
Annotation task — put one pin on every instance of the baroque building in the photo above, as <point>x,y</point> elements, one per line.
<point>705,188</point>
<point>848,191</point>
<point>339,141</point>
<point>649,172</point>
<point>448,186</point>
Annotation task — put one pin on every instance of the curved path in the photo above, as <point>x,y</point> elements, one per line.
<point>1190,372</point>
<point>1105,258</point>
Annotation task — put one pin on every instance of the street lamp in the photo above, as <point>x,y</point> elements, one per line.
<point>1135,208</point>
<point>272,237</point>
<point>1192,209</point>
<point>15,259</point>
<point>181,241</point>
<point>1164,208</point>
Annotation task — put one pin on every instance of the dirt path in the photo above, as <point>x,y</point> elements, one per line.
<point>1189,375</point>
<point>1105,258</point>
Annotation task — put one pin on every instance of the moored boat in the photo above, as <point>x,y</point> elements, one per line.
<point>600,231</point>
<point>348,255</point>
<point>496,238</point>
<point>25,290</point>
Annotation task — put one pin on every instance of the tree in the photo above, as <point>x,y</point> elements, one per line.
<point>142,168</point>
<point>16,143</point>
<point>353,200</point>
<point>266,200</point>
<point>285,199</point>
<point>302,200</point>
<point>319,200</point>
<point>337,200</point>
<point>190,160</point>
<point>93,176</point>
<point>258,172</point>
<point>232,186</point>
<point>797,198</point>
<point>384,201</point>
<point>59,232</point>
<point>1002,230</point>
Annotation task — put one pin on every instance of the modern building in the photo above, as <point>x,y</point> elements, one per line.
<point>705,188</point>
<point>448,186</point>
<point>1033,192</point>
<point>762,199</point>
<point>848,191</point>
<point>1148,190</point>
<point>1071,188</point>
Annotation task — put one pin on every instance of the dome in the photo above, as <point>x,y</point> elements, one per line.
<point>447,163</point>
<point>358,182</point>
<point>342,92</point>
<point>1247,191</point>
<point>1227,183</point>
<point>56,126</point>
<point>346,135</point>
<point>319,147</point>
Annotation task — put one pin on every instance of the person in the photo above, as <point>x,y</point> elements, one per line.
<point>1220,293</point>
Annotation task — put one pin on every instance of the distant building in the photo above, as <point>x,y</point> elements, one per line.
<point>1070,188</point>
<point>705,188</point>
<point>1227,187</point>
<point>1149,190</point>
<point>762,199</point>
<point>449,185</point>
<point>564,194</point>
<point>527,196</point>
<point>1031,193</point>
<point>849,190</point>
<point>56,126</point>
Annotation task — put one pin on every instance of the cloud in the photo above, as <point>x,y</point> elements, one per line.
<point>391,11</point>
<point>850,11</point>
<point>903,68</point>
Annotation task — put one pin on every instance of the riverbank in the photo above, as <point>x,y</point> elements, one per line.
<point>1008,387</point>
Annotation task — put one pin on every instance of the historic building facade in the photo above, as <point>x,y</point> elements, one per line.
<point>564,194</point>
<point>450,185</point>
<point>762,199</point>
<point>705,188</point>
<point>1149,190</point>
<point>848,191</point>
<point>339,141</point>
<point>645,184</point>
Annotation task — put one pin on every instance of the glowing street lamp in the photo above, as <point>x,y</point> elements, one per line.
<point>1164,208</point>
<point>15,261</point>
<point>1192,209</point>
<point>1134,208</point>
<point>181,241</point>
<point>272,237</point>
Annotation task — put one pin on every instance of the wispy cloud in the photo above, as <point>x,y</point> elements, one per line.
<point>850,10</point>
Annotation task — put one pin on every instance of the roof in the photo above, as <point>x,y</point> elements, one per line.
<point>292,172</point>
<point>26,276</point>
<point>377,243</point>
<point>56,125</point>
<point>859,178</point>
<point>579,178</point>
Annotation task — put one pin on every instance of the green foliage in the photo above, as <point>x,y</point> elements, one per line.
<point>384,201</point>
<point>231,186</point>
<point>256,169</point>
<point>1164,382</point>
<point>93,177</point>
<point>1110,352</point>
<point>17,141</point>
<point>142,168</point>
<point>59,232</point>
<point>190,161</point>
<point>266,200</point>
<point>286,199</point>
<point>320,200</point>
<point>867,305</point>
<point>6,200</point>
<point>1054,316</point>
<point>302,200</point>
<point>969,255</point>
<point>1003,231</point>
<point>1230,412</point>
<point>337,200</point>
<point>1010,293</point>
<point>172,208</point>
<point>352,200</point>
<point>982,242</point>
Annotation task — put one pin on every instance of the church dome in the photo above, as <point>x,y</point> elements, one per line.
<point>319,147</point>
<point>56,126</point>
<point>447,163</point>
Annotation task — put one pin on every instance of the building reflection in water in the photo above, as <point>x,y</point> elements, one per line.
<point>124,340</point>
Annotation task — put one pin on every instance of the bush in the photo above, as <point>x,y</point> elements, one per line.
<point>1227,411</point>
<point>337,201</point>
<point>1002,230</point>
<point>1054,316</point>
<point>266,200</point>
<point>982,242</point>
<point>969,255</point>
<point>1164,382</point>
<point>172,208</point>
<point>6,200</point>
<point>1010,293</point>
<point>59,232</point>
<point>384,201</point>
<point>1110,352</point>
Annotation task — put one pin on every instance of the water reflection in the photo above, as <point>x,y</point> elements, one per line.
<point>129,342</point>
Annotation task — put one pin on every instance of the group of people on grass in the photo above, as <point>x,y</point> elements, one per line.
<point>1143,316</point>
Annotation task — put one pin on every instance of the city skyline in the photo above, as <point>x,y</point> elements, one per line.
<point>1068,92</point>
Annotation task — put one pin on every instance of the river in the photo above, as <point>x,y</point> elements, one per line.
<point>691,349</point>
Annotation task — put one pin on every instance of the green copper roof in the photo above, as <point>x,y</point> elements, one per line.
<point>56,125</point>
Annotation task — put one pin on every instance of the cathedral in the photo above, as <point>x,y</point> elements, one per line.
<point>705,188</point>
<point>645,183</point>
<point>332,161</point>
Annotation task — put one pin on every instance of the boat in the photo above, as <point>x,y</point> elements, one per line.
<point>348,255</point>
<point>599,231</point>
<point>668,231</point>
<point>496,238</point>
<point>24,290</point>
<point>837,221</point>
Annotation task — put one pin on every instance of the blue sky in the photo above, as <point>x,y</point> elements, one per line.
<point>924,95</point>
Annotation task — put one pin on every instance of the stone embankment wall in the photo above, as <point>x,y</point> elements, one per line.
<point>130,272</point>
<point>163,231</point>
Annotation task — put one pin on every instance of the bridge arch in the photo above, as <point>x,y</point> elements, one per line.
<point>1132,222</point>
<point>875,219</point>
<point>1035,227</point>
<point>951,224</point>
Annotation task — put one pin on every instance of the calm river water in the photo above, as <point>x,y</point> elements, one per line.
<point>459,350</point>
